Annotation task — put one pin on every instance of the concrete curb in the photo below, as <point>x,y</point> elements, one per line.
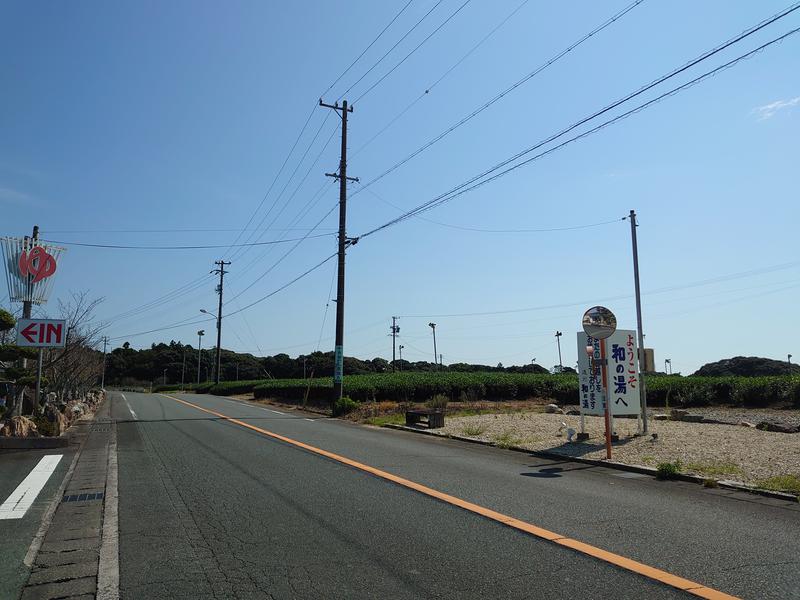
<point>731,485</point>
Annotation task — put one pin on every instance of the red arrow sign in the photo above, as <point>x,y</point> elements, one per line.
<point>29,333</point>
<point>42,333</point>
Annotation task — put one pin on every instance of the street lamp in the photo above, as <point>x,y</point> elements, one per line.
<point>200,335</point>
<point>435,355</point>
<point>558,341</point>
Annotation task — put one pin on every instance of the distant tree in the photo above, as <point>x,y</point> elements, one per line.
<point>747,366</point>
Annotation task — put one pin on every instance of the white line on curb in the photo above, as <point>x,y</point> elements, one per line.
<point>108,568</point>
<point>23,497</point>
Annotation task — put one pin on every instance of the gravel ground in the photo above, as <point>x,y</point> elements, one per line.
<point>729,452</point>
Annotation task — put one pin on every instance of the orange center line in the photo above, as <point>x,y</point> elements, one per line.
<point>628,564</point>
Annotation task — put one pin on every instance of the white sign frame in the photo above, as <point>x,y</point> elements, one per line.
<point>41,341</point>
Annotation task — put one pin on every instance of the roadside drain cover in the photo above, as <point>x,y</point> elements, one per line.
<point>83,497</point>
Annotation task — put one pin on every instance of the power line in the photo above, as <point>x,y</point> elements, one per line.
<point>483,230</point>
<point>276,263</point>
<point>237,254</point>
<point>700,283</point>
<point>471,184</point>
<point>179,230</point>
<point>372,43</point>
<point>417,47</point>
<point>283,287</point>
<point>429,88</point>
<point>504,93</point>
<point>274,180</point>
<point>389,51</point>
<point>205,247</point>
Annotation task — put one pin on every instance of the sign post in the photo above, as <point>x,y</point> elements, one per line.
<point>41,333</point>
<point>30,266</point>
<point>600,323</point>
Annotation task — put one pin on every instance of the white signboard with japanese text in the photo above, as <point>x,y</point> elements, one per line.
<point>622,374</point>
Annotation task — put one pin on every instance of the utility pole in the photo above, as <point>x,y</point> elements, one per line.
<point>433,326</point>
<point>395,330</point>
<point>200,335</point>
<point>401,356</point>
<point>441,362</point>
<point>338,368</point>
<point>165,376</point>
<point>183,367</point>
<point>642,388</point>
<point>103,377</point>
<point>221,272</point>
<point>558,341</point>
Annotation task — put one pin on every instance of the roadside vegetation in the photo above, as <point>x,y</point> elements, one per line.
<point>672,391</point>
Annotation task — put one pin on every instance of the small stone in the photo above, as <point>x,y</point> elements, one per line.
<point>660,417</point>
<point>573,412</point>
<point>552,408</point>
<point>746,424</point>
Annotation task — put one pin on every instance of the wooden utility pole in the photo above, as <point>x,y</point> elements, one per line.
<point>338,366</point>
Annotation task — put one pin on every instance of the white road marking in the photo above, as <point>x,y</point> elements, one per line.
<point>23,497</point>
<point>108,566</point>
<point>133,414</point>
<point>312,420</point>
<point>277,412</point>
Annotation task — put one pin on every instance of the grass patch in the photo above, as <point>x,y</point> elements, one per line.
<point>474,430</point>
<point>506,440</point>
<point>711,469</point>
<point>781,483</point>
<point>648,460</point>
<point>381,420</point>
<point>668,470</point>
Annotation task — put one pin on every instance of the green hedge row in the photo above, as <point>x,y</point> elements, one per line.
<point>562,389</point>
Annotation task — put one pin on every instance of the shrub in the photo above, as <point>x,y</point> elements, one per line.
<point>781,483</point>
<point>438,401</point>
<point>474,430</point>
<point>668,470</point>
<point>343,406</point>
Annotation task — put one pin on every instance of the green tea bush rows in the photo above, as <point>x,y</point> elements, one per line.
<point>562,389</point>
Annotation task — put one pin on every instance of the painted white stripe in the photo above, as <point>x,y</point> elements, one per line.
<point>23,497</point>
<point>277,412</point>
<point>133,414</point>
<point>312,420</point>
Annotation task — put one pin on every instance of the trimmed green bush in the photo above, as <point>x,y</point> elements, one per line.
<point>343,406</point>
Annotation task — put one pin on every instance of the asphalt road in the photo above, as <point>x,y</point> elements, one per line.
<point>16,535</point>
<point>209,508</point>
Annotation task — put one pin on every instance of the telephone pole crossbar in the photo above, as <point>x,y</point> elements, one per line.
<point>338,368</point>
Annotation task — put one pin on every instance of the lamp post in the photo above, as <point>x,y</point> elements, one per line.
<point>400,347</point>
<point>200,335</point>
<point>558,341</point>
<point>433,327</point>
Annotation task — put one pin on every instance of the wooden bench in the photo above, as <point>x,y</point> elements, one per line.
<point>432,417</point>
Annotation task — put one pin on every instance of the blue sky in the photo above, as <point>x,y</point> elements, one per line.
<point>120,119</point>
